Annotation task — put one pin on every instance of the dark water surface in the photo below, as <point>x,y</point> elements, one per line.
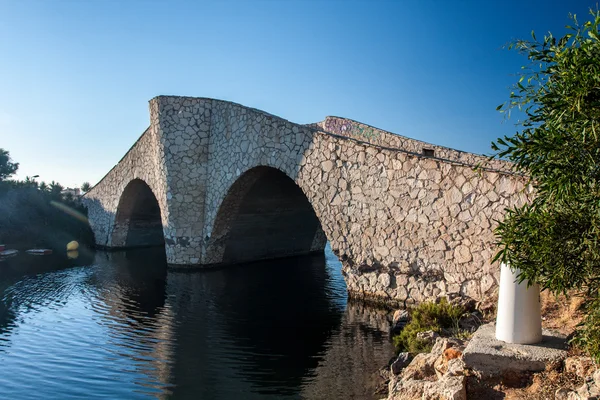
<point>121,326</point>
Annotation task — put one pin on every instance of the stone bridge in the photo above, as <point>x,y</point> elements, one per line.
<point>219,183</point>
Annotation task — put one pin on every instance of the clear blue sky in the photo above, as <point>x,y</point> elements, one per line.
<point>76,76</point>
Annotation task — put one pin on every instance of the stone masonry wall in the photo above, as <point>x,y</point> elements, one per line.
<point>406,227</point>
<point>142,161</point>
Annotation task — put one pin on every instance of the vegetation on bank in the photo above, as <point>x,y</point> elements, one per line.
<point>555,240</point>
<point>36,214</point>
<point>441,317</point>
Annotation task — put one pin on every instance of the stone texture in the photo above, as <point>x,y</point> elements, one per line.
<point>580,365</point>
<point>435,375</point>
<point>407,226</point>
<point>399,320</point>
<point>488,356</point>
<point>447,388</point>
<point>429,337</point>
<point>421,367</point>
<point>400,363</point>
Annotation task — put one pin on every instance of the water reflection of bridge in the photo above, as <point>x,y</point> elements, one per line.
<point>240,331</point>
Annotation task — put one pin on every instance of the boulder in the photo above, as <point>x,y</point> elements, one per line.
<point>441,364</point>
<point>596,377</point>
<point>441,344</point>
<point>587,391</point>
<point>438,375</point>
<point>399,320</point>
<point>400,363</point>
<point>562,394</point>
<point>447,388</point>
<point>456,367</point>
<point>421,367</point>
<point>407,390</point>
<point>580,365</point>
<point>465,302</point>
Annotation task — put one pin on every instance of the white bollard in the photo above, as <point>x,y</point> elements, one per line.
<point>519,318</point>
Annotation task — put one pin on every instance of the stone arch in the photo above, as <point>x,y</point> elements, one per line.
<point>264,215</point>
<point>138,221</point>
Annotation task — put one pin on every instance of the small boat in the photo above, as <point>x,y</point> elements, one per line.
<point>39,252</point>
<point>8,253</point>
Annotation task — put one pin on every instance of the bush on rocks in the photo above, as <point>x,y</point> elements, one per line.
<point>434,317</point>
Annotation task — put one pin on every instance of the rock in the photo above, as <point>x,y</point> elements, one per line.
<point>327,165</point>
<point>456,367</point>
<point>448,388</point>
<point>462,254</point>
<point>442,344</point>
<point>465,302</point>
<point>441,364</point>
<point>401,361</point>
<point>488,305</point>
<point>588,391</point>
<point>596,377</point>
<point>470,322</point>
<point>407,390</point>
<point>579,365</point>
<point>421,367</point>
<point>562,394</point>
<point>428,336</point>
<point>399,320</point>
<point>488,356</point>
<point>400,316</point>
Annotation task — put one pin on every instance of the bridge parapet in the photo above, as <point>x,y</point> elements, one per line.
<point>363,132</point>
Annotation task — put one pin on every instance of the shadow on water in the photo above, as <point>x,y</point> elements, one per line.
<point>251,328</point>
<point>124,326</point>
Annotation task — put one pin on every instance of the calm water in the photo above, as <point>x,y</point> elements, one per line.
<point>122,326</point>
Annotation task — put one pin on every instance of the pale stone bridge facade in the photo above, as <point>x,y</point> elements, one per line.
<point>219,183</point>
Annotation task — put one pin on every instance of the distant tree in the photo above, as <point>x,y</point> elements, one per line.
<point>56,190</point>
<point>85,187</point>
<point>31,216</point>
<point>555,240</point>
<point>30,182</point>
<point>7,167</point>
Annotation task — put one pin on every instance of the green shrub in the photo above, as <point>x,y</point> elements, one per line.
<point>588,335</point>
<point>436,317</point>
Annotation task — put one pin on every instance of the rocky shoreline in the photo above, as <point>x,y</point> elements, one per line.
<point>449,372</point>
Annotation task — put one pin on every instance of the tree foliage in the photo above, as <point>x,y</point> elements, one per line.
<point>554,240</point>
<point>7,167</point>
<point>86,187</point>
<point>39,215</point>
